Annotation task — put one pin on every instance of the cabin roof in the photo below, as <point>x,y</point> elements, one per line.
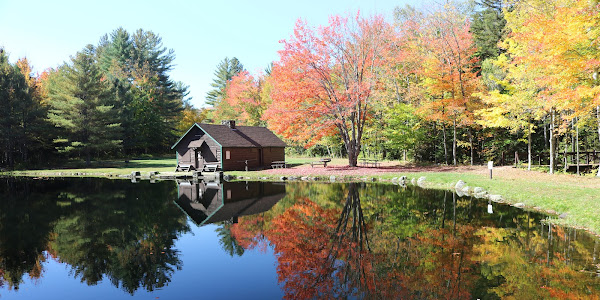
<point>240,137</point>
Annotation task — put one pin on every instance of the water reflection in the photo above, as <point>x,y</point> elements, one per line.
<point>100,228</point>
<point>207,202</point>
<point>384,242</point>
<point>329,240</point>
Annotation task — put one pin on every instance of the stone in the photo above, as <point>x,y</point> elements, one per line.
<point>227,177</point>
<point>394,179</point>
<point>551,212</point>
<point>460,193</point>
<point>495,198</point>
<point>402,178</point>
<point>519,205</point>
<point>283,178</point>
<point>563,215</point>
<point>421,181</point>
<point>413,181</point>
<point>152,173</point>
<point>466,189</point>
<point>478,190</point>
<point>332,178</point>
<point>459,185</point>
<point>304,178</point>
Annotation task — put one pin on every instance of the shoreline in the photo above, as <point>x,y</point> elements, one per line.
<point>568,200</point>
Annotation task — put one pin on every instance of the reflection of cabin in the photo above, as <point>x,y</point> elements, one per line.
<point>228,147</point>
<point>210,202</point>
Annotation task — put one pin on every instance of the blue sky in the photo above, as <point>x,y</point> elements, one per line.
<point>202,33</point>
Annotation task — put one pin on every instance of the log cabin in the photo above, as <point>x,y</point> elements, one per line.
<point>227,147</point>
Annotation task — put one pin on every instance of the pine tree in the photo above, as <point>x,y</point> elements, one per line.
<point>21,113</point>
<point>488,29</point>
<point>226,70</point>
<point>81,107</point>
<point>149,103</point>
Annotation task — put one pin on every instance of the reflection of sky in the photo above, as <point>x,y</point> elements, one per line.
<point>208,273</point>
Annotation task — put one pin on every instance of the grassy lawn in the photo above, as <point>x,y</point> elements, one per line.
<point>104,168</point>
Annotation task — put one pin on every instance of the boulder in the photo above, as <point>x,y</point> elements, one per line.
<point>459,185</point>
<point>283,178</point>
<point>519,205</point>
<point>563,215</point>
<point>421,181</point>
<point>332,178</point>
<point>478,190</point>
<point>495,198</point>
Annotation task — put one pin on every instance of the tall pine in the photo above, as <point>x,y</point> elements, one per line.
<point>82,109</point>
<point>225,71</point>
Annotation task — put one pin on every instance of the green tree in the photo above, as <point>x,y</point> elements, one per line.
<point>81,107</point>
<point>149,104</point>
<point>225,71</point>
<point>488,28</point>
<point>21,113</point>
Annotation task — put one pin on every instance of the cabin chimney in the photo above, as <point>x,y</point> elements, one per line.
<point>228,123</point>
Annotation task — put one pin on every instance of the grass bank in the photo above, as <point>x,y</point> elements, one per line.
<point>576,196</point>
<point>105,168</point>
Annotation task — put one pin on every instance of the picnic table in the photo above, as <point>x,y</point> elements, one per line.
<point>322,161</point>
<point>278,164</point>
<point>365,162</point>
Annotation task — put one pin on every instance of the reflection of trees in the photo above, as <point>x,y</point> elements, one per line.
<point>420,244</point>
<point>27,213</point>
<point>126,233</point>
<point>227,241</point>
<point>99,227</point>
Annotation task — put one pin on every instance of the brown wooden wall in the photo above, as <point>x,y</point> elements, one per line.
<point>239,155</point>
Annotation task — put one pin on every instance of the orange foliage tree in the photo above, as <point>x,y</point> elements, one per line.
<point>244,96</point>
<point>448,68</point>
<point>325,81</point>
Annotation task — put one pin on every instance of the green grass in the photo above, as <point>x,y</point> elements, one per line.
<point>104,168</point>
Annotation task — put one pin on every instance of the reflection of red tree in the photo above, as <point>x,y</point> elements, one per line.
<point>249,232</point>
<point>301,237</point>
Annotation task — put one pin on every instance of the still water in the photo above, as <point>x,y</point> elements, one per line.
<point>109,239</point>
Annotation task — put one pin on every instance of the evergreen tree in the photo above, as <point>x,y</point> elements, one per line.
<point>226,69</point>
<point>149,103</point>
<point>21,113</point>
<point>82,108</point>
<point>488,28</point>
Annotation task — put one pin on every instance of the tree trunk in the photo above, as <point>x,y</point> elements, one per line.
<point>577,145</point>
<point>445,146</point>
<point>529,148</point>
<point>551,141</point>
<point>471,141</point>
<point>454,143</point>
<point>598,119</point>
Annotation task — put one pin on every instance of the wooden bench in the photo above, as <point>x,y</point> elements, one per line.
<point>211,166</point>
<point>278,164</point>
<point>322,161</point>
<point>369,162</point>
<point>184,168</point>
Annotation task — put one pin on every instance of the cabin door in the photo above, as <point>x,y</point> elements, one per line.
<point>260,157</point>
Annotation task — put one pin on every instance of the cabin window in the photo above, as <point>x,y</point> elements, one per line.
<point>227,154</point>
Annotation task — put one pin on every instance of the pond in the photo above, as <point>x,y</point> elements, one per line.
<point>114,239</point>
